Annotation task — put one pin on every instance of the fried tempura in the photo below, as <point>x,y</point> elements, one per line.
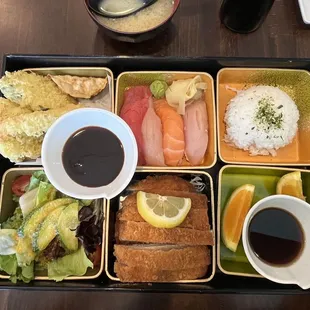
<point>33,91</point>
<point>20,148</point>
<point>33,124</point>
<point>10,109</point>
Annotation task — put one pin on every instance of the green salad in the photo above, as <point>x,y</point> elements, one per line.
<point>49,231</point>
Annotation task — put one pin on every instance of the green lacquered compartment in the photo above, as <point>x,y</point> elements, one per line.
<point>265,180</point>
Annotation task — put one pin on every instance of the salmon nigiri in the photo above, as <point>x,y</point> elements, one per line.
<point>196,132</point>
<point>136,103</point>
<point>152,138</point>
<point>173,134</point>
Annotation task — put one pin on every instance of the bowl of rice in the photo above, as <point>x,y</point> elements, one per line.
<point>263,116</point>
<point>141,26</point>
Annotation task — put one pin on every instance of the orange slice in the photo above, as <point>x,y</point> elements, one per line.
<point>291,184</point>
<point>234,215</point>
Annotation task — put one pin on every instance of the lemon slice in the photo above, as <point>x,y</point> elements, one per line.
<point>291,184</point>
<point>234,215</point>
<point>162,211</point>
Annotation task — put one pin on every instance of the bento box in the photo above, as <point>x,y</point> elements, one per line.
<point>222,282</point>
<point>279,143</point>
<point>265,180</point>
<point>8,205</point>
<point>172,93</point>
<point>182,257</point>
<point>43,100</point>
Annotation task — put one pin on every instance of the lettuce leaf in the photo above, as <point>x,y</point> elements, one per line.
<point>36,178</point>
<point>8,241</point>
<point>8,264</point>
<point>46,193</point>
<point>74,264</point>
<point>15,221</point>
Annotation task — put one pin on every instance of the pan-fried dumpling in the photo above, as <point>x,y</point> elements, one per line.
<point>80,87</point>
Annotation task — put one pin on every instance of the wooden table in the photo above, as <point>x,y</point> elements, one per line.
<point>63,27</point>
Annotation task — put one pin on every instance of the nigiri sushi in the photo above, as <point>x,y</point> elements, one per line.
<point>173,134</point>
<point>196,132</point>
<point>136,103</point>
<point>152,138</point>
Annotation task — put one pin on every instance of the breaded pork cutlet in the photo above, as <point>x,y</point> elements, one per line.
<point>169,182</point>
<point>195,219</point>
<point>19,148</point>
<point>142,274</point>
<point>10,109</point>
<point>33,91</point>
<point>33,124</point>
<point>165,257</point>
<point>142,232</point>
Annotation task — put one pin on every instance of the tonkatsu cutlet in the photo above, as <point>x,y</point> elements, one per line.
<point>169,182</point>
<point>143,232</point>
<point>195,219</point>
<point>165,257</point>
<point>33,91</point>
<point>142,274</point>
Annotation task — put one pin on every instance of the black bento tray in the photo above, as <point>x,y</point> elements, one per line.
<point>221,283</point>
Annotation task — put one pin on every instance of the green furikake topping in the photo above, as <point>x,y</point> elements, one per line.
<point>268,115</point>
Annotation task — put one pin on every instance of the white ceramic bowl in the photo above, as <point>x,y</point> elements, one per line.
<point>61,131</point>
<point>297,271</point>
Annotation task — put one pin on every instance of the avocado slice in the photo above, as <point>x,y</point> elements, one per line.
<point>46,231</point>
<point>35,217</point>
<point>67,224</point>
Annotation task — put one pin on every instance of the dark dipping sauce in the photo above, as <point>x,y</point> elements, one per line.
<point>93,157</point>
<point>276,236</point>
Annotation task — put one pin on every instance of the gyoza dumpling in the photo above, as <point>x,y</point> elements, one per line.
<point>80,87</point>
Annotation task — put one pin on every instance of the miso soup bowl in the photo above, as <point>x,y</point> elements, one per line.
<point>59,133</point>
<point>297,271</point>
<point>132,37</point>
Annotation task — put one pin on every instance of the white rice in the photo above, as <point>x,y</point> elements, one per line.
<point>247,126</point>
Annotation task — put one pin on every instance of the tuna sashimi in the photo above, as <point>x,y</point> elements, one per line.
<point>136,102</point>
<point>173,134</point>
<point>196,132</point>
<point>152,138</point>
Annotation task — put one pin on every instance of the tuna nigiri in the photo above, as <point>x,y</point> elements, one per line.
<point>136,102</point>
<point>173,135</point>
<point>152,138</point>
<point>196,132</point>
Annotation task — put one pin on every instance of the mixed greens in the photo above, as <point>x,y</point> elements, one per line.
<point>49,231</point>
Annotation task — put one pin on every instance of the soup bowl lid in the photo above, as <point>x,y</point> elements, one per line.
<point>296,271</point>
<point>59,133</point>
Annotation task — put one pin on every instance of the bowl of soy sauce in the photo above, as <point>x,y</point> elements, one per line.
<point>274,236</point>
<point>89,154</point>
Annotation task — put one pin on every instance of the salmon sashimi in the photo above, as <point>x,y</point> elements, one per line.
<point>136,103</point>
<point>173,134</point>
<point>152,138</point>
<point>196,132</point>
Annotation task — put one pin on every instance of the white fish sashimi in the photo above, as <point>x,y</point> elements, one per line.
<point>196,132</point>
<point>152,138</point>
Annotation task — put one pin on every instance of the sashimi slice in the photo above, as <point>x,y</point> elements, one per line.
<point>152,138</point>
<point>173,134</point>
<point>136,102</point>
<point>196,132</point>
